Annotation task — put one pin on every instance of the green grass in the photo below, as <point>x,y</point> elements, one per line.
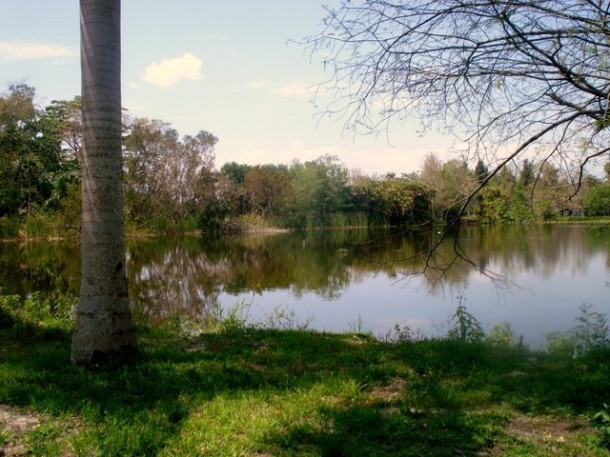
<point>240,391</point>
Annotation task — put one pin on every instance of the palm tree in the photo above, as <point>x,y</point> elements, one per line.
<point>103,328</point>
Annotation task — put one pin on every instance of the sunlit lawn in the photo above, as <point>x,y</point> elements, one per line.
<point>252,392</point>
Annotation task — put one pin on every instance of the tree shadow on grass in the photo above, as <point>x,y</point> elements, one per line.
<point>452,399</point>
<point>372,431</point>
<point>138,408</point>
<point>425,398</point>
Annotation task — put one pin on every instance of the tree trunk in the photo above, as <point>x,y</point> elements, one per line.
<point>103,328</point>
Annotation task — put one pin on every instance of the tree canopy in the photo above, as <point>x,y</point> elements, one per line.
<point>171,185</point>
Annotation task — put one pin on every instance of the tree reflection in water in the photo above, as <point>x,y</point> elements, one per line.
<point>185,277</point>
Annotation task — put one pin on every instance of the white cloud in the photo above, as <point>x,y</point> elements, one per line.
<point>170,71</point>
<point>11,51</point>
<point>295,90</point>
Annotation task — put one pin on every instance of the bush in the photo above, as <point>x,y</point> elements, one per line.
<point>9,227</point>
<point>501,335</point>
<point>597,200</point>
<point>212,217</point>
<point>9,306</point>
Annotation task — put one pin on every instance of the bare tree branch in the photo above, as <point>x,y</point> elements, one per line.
<point>490,71</point>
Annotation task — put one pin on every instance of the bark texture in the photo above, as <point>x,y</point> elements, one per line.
<point>103,328</point>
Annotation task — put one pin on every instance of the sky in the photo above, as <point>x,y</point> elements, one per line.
<point>232,68</point>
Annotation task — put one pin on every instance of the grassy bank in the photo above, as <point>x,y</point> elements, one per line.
<point>239,391</point>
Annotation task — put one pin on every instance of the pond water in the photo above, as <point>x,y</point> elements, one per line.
<point>533,277</point>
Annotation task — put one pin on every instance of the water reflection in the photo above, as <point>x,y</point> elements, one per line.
<point>341,276</point>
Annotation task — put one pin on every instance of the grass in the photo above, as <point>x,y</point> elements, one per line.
<point>242,391</point>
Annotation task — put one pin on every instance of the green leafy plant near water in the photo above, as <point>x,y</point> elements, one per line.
<point>466,327</point>
<point>591,333</point>
<point>237,389</point>
<point>37,311</point>
<point>602,419</point>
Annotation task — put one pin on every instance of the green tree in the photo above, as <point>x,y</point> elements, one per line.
<point>64,117</point>
<point>319,192</point>
<point>192,174</point>
<point>103,328</point>
<point>481,172</point>
<point>166,176</point>
<point>61,122</point>
<point>266,188</point>
<point>235,171</point>
<point>527,174</point>
<point>392,201</point>
<point>450,184</point>
<point>597,200</point>
<point>30,153</point>
<point>148,146</point>
<point>231,187</point>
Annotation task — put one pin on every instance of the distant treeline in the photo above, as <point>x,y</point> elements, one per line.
<point>171,183</point>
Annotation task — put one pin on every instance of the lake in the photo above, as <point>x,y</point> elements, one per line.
<point>533,277</point>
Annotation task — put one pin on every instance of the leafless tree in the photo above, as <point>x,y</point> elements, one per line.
<point>507,77</point>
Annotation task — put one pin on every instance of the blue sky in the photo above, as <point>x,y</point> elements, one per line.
<point>226,67</point>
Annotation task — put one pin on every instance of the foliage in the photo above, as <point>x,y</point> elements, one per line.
<point>602,420</point>
<point>266,188</point>
<point>170,181</point>
<point>39,310</point>
<point>9,227</point>
<point>481,171</point>
<point>466,327</point>
<point>392,201</point>
<point>591,333</point>
<point>9,306</point>
<point>319,190</point>
<point>212,216</point>
<point>526,175</point>
<point>500,335</point>
<point>165,175</point>
<point>31,167</point>
<point>592,330</point>
<point>597,200</point>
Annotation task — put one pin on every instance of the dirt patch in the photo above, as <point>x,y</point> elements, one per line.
<point>14,423</point>
<point>549,433</point>
<point>391,392</point>
<point>538,430</point>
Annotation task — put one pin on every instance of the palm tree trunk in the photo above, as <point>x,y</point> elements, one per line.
<point>103,328</point>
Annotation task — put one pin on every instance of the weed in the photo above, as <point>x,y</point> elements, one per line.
<point>37,311</point>
<point>466,327</point>
<point>235,319</point>
<point>9,227</point>
<point>590,334</point>
<point>281,318</point>
<point>402,333</point>
<point>500,335</point>
<point>358,325</point>
<point>591,331</point>
<point>9,309</point>
<point>602,420</point>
